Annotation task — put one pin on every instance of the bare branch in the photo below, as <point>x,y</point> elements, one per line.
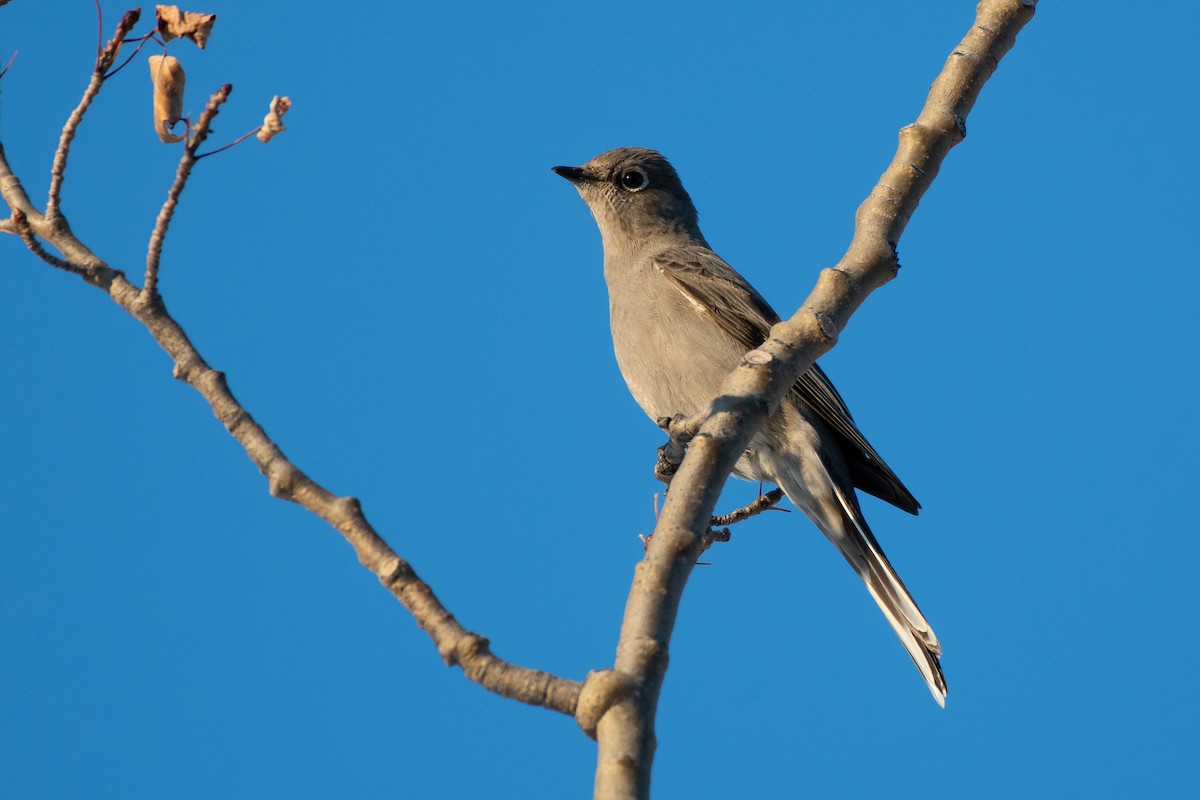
<point>103,62</point>
<point>457,645</point>
<point>764,503</point>
<point>142,41</point>
<point>272,126</point>
<point>626,732</point>
<point>182,173</point>
<point>225,147</point>
<point>718,526</point>
<point>21,226</point>
<point>13,192</point>
<point>99,27</point>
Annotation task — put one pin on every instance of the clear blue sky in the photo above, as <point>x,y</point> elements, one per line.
<point>411,303</point>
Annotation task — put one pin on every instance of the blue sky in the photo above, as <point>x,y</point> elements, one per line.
<point>411,303</point>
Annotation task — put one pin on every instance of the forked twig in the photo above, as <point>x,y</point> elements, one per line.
<point>456,645</point>
<point>142,41</point>
<point>22,229</point>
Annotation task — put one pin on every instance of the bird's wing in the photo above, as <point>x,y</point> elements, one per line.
<point>717,289</point>
<point>868,470</point>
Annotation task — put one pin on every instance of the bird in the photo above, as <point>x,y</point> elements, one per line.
<point>682,319</point>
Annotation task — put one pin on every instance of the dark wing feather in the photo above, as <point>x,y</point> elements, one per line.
<point>868,471</point>
<point>715,286</point>
<point>742,313</point>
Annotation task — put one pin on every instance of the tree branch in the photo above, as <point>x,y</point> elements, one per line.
<point>764,502</point>
<point>103,61</point>
<point>626,732</point>
<point>21,227</point>
<point>457,646</point>
<point>188,160</point>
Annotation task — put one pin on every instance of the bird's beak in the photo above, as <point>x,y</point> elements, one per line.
<point>575,175</point>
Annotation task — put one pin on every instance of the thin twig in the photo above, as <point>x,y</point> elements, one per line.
<point>763,503</point>
<point>457,646</point>
<point>11,59</point>
<point>718,526</point>
<point>21,226</point>
<point>99,27</point>
<point>186,162</point>
<point>234,143</point>
<point>103,62</point>
<point>13,192</point>
<point>141,40</point>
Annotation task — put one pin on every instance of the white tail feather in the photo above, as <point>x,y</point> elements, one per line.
<point>848,532</point>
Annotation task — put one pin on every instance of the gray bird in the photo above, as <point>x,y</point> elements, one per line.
<point>681,321</point>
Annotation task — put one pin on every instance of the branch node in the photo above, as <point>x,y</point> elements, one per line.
<point>281,480</point>
<point>185,367</point>
<point>465,648</point>
<point>829,328</point>
<point>349,507</point>
<point>25,231</point>
<point>390,569</point>
<point>602,689</point>
<point>960,126</point>
<point>758,358</point>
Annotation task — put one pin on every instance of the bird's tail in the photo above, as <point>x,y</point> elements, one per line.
<point>840,519</point>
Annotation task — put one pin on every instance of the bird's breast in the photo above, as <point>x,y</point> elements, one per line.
<point>671,353</point>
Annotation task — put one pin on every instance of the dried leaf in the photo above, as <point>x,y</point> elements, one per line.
<point>169,81</point>
<point>273,121</point>
<point>173,23</point>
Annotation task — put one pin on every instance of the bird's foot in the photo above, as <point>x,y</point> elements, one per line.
<point>680,429</point>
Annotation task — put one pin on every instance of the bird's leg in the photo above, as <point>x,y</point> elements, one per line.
<point>681,429</point>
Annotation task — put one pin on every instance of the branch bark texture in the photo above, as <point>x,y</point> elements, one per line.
<point>626,731</point>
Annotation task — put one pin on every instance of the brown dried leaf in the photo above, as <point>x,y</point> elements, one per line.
<point>169,81</point>
<point>273,121</point>
<point>173,23</point>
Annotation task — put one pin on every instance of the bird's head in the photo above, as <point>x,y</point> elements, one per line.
<point>635,196</point>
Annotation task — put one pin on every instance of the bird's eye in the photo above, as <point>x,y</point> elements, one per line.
<point>634,179</point>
